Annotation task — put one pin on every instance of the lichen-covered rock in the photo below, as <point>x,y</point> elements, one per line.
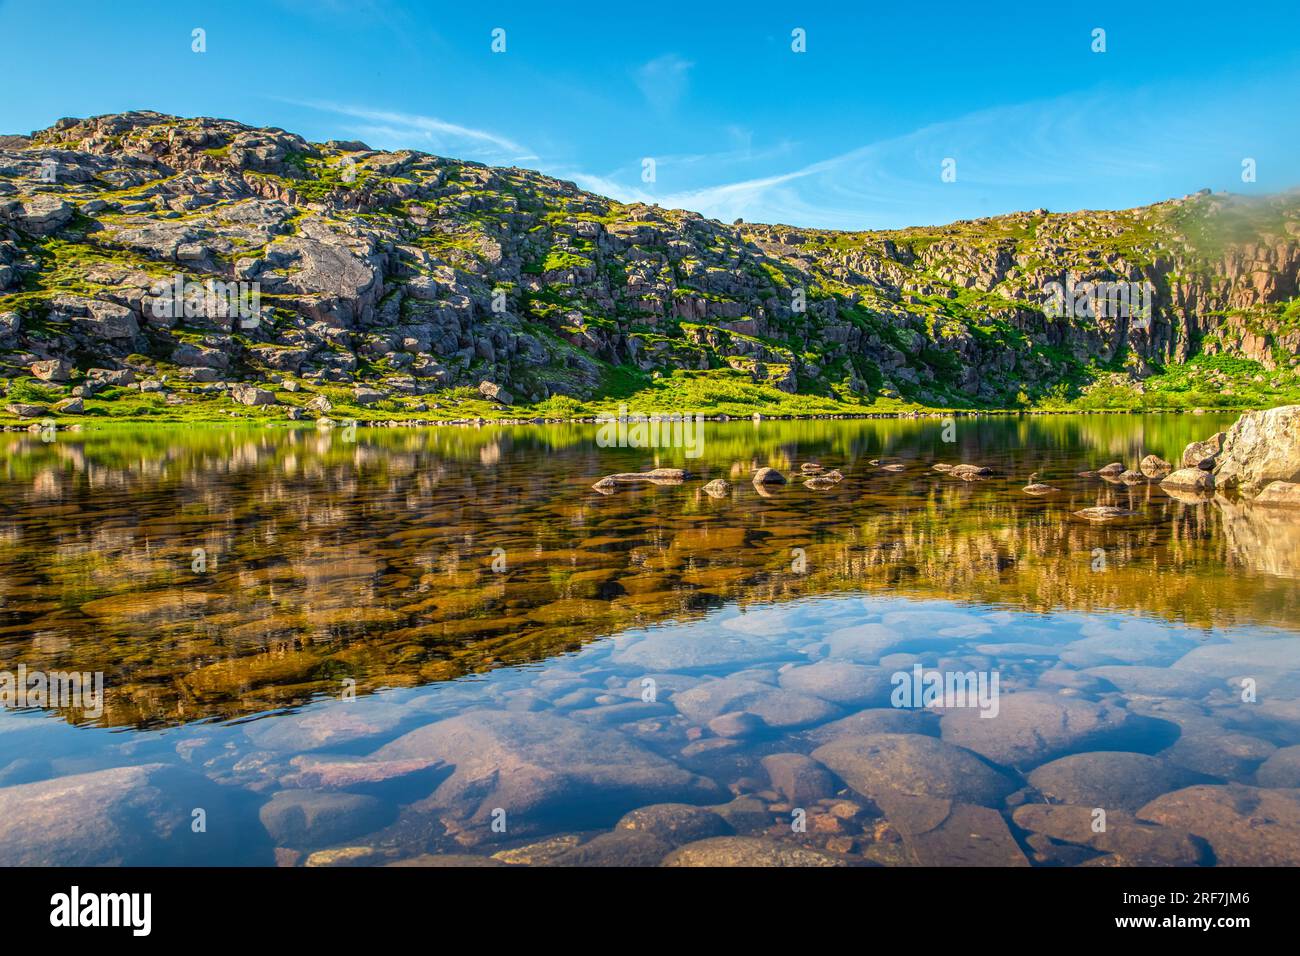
<point>494,392</point>
<point>52,370</point>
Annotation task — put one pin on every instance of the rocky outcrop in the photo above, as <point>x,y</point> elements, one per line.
<point>515,286</point>
<point>1261,447</point>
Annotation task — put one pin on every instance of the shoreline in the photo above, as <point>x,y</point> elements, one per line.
<point>68,424</point>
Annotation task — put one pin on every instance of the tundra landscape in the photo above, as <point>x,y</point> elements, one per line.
<point>503,440</point>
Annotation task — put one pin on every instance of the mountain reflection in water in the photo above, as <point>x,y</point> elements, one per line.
<point>416,556</point>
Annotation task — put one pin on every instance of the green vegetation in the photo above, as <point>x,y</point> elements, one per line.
<point>606,302</point>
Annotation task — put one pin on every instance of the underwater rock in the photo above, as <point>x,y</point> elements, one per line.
<point>675,823</point>
<point>879,720</point>
<point>128,816</point>
<point>798,778</point>
<point>543,770</point>
<point>1281,769</point>
<point>779,708</point>
<point>748,851</point>
<point>1104,513</point>
<point>914,764</point>
<point>1114,780</point>
<point>300,818</point>
<point>1032,727</point>
<point>1244,826</point>
<point>840,682</point>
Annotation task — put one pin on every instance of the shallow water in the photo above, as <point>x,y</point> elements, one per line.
<point>444,642</point>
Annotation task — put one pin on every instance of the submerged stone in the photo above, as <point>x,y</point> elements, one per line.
<point>1032,727</point>
<point>129,816</point>
<point>748,851</point>
<point>777,707</point>
<point>1244,826</point>
<point>664,651</point>
<point>879,720</point>
<point>1281,769</point>
<point>1114,780</point>
<point>675,823</point>
<point>543,770</point>
<point>852,685</point>
<point>302,818</point>
<point>914,764</point>
<point>798,778</point>
<point>1154,681</point>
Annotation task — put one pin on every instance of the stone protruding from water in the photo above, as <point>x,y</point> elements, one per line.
<point>1260,447</point>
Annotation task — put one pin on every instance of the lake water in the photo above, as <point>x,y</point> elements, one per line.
<point>435,646</point>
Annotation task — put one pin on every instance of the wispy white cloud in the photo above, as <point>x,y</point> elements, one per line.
<point>735,200</point>
<point>395,129</point>
<point>1100,148</point>
<point>1093,148</point>
<point>606,186</point>
<point>664,80</point>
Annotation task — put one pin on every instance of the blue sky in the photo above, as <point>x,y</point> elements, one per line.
<point>852,133</point>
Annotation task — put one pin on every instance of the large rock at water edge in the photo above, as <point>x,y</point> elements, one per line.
<point>1261,447</point>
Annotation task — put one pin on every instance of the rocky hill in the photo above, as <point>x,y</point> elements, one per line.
<point>394,285</point>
